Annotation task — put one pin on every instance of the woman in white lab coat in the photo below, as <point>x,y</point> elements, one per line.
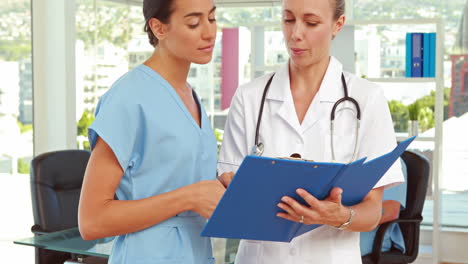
<point>296,119</point>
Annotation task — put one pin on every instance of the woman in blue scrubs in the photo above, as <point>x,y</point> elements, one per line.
<point>154,148</point>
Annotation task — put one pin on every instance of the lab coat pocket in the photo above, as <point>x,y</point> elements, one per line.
<point>343,147</point>
<point>250,252</point>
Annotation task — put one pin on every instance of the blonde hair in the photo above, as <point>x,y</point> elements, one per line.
<point>338,8</point>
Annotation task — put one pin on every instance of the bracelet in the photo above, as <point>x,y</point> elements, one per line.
<point>347,223</point>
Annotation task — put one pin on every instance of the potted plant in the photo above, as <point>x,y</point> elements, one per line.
<point>413,111</point>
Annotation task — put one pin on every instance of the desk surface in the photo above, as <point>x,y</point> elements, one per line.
<point>70,241</point>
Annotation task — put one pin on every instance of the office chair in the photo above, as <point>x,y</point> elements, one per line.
<point>56,179</point>
<point>418,168</point>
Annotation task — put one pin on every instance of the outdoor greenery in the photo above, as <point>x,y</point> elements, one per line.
<point>15,50</point>
<point>219,135</point>
<point>24,127</point>
<point>413,111</point>
<point>422,110</point>
<point>104,21</point>
<point>15,31</point>
<point>23,166</point>
<point>86,145</point>
<point>400,116</point>
<point>85,121</point>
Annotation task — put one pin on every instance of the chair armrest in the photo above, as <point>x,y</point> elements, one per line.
<point>378,241</point>
<point>37,230</point>
<point>415,220</point>
<point>380,234</point>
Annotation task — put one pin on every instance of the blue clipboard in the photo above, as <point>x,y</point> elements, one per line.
<point>248,208</point>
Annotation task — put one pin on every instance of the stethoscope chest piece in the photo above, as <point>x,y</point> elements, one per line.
<point>257,150</point>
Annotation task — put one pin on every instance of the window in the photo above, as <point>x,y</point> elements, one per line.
<point>455,174</point>
<point>110,41</point>
<point>16,129</point>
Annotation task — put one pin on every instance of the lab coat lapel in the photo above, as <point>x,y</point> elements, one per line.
<point>330,89</point>
<point>288,113</point>
<point>280,98</point>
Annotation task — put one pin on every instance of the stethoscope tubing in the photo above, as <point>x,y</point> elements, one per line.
<point>259,147</point>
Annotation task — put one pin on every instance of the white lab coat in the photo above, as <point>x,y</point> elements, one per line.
<point>282,135</point>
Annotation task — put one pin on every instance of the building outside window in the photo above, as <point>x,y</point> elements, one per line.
<point>16,130</point>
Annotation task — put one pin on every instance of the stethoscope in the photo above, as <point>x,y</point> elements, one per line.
<point>258,148</point>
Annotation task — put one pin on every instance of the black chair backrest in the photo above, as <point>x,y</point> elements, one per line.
<point>418,169</point>
<point>56,180</point>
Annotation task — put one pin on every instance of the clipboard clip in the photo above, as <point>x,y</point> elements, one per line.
<point>295,156</point>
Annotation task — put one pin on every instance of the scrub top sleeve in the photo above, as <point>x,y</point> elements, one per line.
<point>234,146</point>
<point>379,137</point>
<point>116,122</point>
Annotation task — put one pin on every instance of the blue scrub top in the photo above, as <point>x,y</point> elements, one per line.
<point>393,236</point>
<point>160,148</point>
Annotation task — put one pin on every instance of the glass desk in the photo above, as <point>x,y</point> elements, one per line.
<point>70,241</point>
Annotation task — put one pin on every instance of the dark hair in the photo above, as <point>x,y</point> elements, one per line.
<point>338,8</point>
<point>160,9</point>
